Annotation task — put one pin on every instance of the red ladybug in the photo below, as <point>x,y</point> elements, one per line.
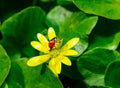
<point>51,43</point>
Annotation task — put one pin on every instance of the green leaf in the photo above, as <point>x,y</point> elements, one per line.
<point>90,78</point>
<point>32,77</point>
<point>111,43</point>
<point>112,76</point>
<point>95,80</point>
<point>20,29</point>
<point>57,16</point>
<point>78,25</point>
<point>118,49</point>
<point>96,60</point>
<point>4,85</point>
<point>100,34</point>
<point>106,8</point>
<point>15,78</point>
<point>5,65</point>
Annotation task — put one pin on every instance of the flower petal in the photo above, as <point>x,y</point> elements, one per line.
<point>37,45</point>
<point>53,69</point>
<point>58,67</point>
<point>66,61</point>
<point>52,66</point>
<point>51,33</point>
<point>42,39</point>
<point>71,43</point>
<point>55,66</point>
<point>52,62</point>
<point>69,53</point>
<point>37,60</point>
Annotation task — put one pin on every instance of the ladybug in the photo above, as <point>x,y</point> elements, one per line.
<point>51,43</point>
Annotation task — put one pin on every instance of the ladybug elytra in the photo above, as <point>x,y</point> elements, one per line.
<point>51,43</point>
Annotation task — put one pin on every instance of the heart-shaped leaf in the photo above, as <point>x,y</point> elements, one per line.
<point>20,29</point>
<point>106,8</point>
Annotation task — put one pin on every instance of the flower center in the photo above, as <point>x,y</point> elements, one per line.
<point>54,53</point>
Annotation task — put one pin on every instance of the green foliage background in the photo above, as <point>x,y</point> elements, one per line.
<point>95,22</point>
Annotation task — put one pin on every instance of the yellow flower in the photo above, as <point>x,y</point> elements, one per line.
<point>52,51</point>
